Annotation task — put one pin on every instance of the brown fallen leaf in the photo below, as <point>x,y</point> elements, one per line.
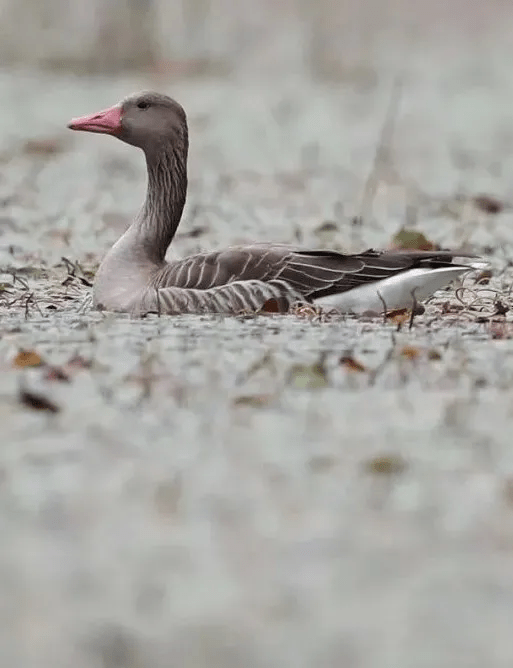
<point>326,233</point>
<point>54,373</point>
<point>434,355</point>
<point>386,465</point>
<point>37,401</point>
<point>351,364</point>
<point>410,352</point>
<point>411,240</point>
<point>271,306</point>
<point>307,311</point>
<point>27,358</point>
<point>328,226</point>
<point>399,316</point>
<point>488,204</point>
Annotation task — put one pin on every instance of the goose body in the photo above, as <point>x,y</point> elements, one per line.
<point>134,276</point>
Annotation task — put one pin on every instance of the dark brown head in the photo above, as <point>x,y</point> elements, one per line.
<point>148,120</point>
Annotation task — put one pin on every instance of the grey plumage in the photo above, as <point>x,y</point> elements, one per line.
<point>135,277</point>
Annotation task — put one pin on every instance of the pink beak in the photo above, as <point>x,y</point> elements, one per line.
<point>107,122</point>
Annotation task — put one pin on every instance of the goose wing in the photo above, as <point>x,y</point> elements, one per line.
<point>310,274</point>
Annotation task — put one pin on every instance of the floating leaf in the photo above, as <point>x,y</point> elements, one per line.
<point>386,465</point>
<point>351,364</point>
<point>411,240</point>
<point>37,401</point>
<point>27,358</point>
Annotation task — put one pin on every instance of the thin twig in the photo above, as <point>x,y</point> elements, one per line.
<point>384,306</point>
<point>382,150</point>
<point>413,307</point>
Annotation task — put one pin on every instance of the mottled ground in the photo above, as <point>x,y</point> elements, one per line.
<point>257,491</point>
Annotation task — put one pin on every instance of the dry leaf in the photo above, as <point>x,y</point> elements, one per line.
<point>37,401</point>
<point>255,400</point>
<point>386,465</point>
<point>27,358</point>
<point>399,316</point>
<point>271,306</point>
<point>54,373</point>
<point>307,311</point>
<point>327,226</point>
<point>434,355</point>
<point>326,232</point>
<point>410,352</point>
<point>488,204</point>
<point>351,364</point>
<point>411,240</point>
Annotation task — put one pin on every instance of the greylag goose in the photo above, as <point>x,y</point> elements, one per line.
<point>134,276</point>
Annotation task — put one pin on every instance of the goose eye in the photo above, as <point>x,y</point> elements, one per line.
<point>143,105</point>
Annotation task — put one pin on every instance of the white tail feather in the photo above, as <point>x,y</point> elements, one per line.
<point>397,291</point>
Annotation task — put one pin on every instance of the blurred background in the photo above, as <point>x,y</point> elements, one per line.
<point>280,86</point>
<point>344,40</point>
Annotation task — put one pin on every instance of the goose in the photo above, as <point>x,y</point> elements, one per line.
<point>134,276</point>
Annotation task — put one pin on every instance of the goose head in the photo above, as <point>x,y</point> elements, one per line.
<point>148,120</point>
